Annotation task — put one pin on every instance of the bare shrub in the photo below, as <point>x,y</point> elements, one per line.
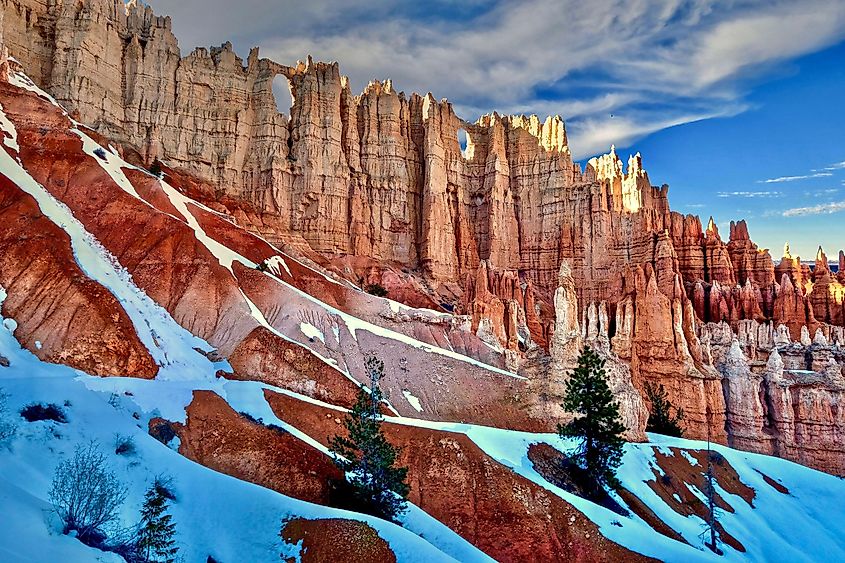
<point>8,427</point>
<point>164,486</point>
<point>85,493</point>
<point>124,445</point>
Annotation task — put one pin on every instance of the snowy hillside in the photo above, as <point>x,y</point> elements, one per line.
<point>254,302</point>
<point>221,516</point>
<point>217,515</point>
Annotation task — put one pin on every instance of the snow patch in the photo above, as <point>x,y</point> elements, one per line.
<point>10,139</point>
<point>413,401</point>
<point>312,331</point>
<point>273,264</point>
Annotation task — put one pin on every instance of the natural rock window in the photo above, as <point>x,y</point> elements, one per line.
<point>282,94</point>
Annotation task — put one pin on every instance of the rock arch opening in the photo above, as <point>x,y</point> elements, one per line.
<point>463,141</point>
<point>283,94</point>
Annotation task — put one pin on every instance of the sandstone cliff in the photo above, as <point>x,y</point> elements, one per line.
<point>377,186</point>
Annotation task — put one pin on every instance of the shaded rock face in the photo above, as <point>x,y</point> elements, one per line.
<point>350,540</point>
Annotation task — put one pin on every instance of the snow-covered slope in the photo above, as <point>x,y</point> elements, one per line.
<point>216,515</point>
<point>774,507</point>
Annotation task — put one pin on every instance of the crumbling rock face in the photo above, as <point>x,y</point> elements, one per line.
<point>506,310</point>
<point>267,357</point>
<point>218,437</point>
<point>349,540</point>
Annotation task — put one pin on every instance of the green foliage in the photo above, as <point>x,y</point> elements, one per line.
<point>155,537</point>
<point>598,427</point>
<point>374,485</point>
<point>660,419</point>
<point>376,289</point>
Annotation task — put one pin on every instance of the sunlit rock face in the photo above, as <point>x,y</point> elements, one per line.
<point>375,187</point>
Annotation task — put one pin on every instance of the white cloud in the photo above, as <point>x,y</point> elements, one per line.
<point>650,64</point>
<point>834,166</point>
<point>749,194</point>
<point>795,178</point>
<point>820,209</point>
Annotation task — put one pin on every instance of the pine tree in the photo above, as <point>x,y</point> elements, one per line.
<point>155,537</point>
<point>710,529</point>
<point>598,427</point>
<point>660,419</point>
<point>376,486</point>
<point>155,168</point>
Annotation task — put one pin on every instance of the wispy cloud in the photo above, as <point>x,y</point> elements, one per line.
<point>823,193</point>
<point>794,178</point>
<point>749,194</point>
<point>656,64</point>
<point>834,166</point>
<point>820,209</point>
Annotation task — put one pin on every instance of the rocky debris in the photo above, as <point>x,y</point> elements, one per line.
<point>212,355</point>
<point>4,361</point>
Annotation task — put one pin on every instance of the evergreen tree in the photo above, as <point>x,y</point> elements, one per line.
<point>374,484</point>
<point>660,419</point>
<point>155,168</point>
<point>710,532</point>
<point>155,537</point>
<point>598,426</point>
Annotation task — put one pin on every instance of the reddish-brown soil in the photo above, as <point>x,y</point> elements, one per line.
<point>263,356</point>
<point>218,437</point>
<point>680,474</point>
<point>77,321</point>
<point>333,540</point>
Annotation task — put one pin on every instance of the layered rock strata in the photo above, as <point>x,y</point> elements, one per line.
<point>382,176</point>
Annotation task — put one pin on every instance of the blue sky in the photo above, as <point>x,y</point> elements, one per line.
<point>774,164</point>
<point>736,104</point>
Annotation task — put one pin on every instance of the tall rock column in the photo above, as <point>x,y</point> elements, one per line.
<point>743,408</point>
<point>566,345</point>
